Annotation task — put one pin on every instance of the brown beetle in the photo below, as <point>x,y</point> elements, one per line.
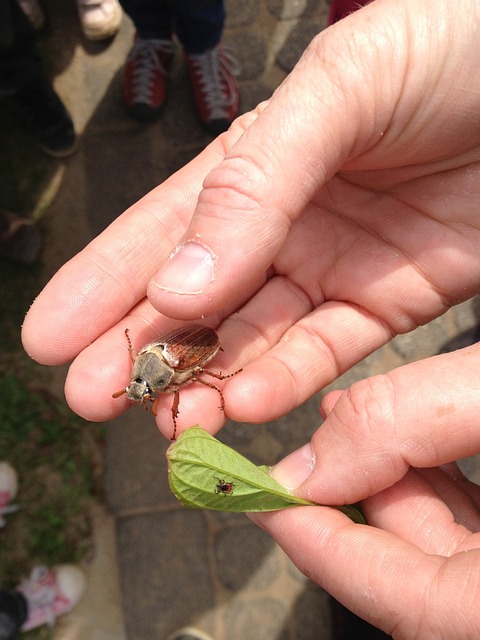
<point>176,359</point>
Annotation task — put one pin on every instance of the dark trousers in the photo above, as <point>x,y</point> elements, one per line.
<point>18,61</point>
<point>13,613</point>
<point>197,23</point>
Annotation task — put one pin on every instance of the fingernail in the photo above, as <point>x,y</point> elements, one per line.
<point>293,470</point>
<point>189,270</point>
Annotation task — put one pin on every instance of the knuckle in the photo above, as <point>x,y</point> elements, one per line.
<point>371,405</point>
<point>243,178</point>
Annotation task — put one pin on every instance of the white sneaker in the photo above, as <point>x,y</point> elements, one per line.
<point>100,19</point>
<point>51,593</point>
<point>8,490</point>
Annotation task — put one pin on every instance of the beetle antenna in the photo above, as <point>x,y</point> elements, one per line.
<point>130,348</point>
<point>117,394</point>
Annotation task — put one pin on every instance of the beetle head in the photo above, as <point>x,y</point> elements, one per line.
<point>138,390</point>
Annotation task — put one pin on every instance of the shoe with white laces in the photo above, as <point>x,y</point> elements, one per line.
<point>215,90</point>
<point>51,593</point>
<point>145,77</point>
<point>100,19</point>
<point>8,490</point>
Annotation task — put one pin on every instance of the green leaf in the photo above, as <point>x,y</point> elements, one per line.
<point>207,474</point>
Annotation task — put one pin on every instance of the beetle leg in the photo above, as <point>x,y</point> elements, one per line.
<point>155,405</point>
<point>218,376</point>
<point>212,386</point>
<point>176,402</point>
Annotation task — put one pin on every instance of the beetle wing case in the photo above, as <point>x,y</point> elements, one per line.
<point>192,345</point>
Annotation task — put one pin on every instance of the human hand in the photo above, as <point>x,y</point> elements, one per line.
<point>344,211</point>
<point>389,441</point>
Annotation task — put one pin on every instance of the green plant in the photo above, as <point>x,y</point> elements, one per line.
<point>52,451</point>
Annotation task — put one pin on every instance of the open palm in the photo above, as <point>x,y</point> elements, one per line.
<point>343,212</point>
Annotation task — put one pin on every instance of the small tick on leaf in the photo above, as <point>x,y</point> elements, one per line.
<point>176,359</point>
<point>224,487</point>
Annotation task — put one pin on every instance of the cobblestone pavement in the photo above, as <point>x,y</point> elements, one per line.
<point>178,567</point>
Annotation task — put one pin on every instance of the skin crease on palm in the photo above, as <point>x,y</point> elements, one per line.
<point>341,212</point>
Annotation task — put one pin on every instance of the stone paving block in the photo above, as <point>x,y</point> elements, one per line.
<point>267,443</point>
<point>239,552</point>
<point>110,115</point>
<point>252,93</point>
<point>429,339</point>
<point>255,442</point>
<point>179,159</point>
<point>297,9</point>
<point>66,217</point>
<point>269,602</point>
<point>164,567</point>
<point>311,614</point>
<point>250,49</point>
<point>262,617</point>
<point>240,14</point>
<point>135,466</point>
<point>300,37</point>
<point>111,161</point>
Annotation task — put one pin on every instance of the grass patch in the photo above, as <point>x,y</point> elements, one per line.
<point>52,451</point>
<point>57,457</point>
<point>56,454</point>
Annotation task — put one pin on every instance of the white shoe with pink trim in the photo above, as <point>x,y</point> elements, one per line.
<point>8,490</point>
<point>51,593</point>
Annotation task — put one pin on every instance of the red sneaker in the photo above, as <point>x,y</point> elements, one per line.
<point>214,87</point>
<point>145,77</point>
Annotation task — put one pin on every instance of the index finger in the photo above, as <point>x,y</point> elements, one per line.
<point>99,286</point>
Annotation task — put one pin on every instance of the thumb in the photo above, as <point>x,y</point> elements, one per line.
<point>421,415</point>
<point>323,114</point>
